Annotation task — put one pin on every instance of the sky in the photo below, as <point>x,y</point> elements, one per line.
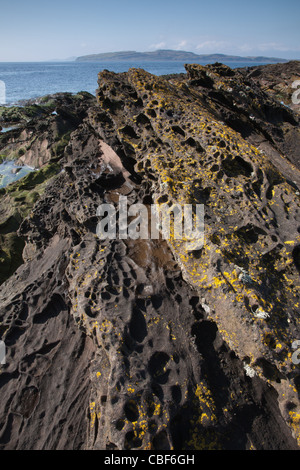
<point>39,30</point>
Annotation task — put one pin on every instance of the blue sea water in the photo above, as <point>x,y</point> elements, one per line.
<point>29,80</point>
<point>10,172</point>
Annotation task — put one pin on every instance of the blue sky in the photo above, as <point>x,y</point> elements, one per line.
<point>34,30</point>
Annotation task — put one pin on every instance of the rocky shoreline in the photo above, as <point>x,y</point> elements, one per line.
<point>141,344</point>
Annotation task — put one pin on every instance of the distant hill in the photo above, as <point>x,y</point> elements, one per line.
<point>166,54</point>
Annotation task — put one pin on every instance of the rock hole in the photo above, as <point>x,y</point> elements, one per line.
<point>156,301</point>
<point>111,446</point>
<point>157,366</point>
<point>152,426</point>
<point>269,370</point>
<point>132,441</point>
<point>105,296</point>
<point>163,199</point>
<point>296,256</point>
<point>137,325</point>
<point>151,112</point>
<point>161,441</point>
<point>120,424</point>
<point>28,401</point>
<point>131,411</point>
<point>176,394</point>
<point>236,166</point>
<point>128,130</point>
<point>178,130</point>
<point>250,233</point>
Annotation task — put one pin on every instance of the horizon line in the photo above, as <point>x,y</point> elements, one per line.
<point>74,58</point>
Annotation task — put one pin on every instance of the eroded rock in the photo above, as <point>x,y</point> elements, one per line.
<point>141,344</point>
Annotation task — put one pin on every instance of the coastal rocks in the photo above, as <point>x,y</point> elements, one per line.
<point>46,379</point>
<point>38,141</point>
<point>252,208</point>
<point>276,80</point>
<point>145,343</point>
<point>51,118</point>
<point>237,99</point>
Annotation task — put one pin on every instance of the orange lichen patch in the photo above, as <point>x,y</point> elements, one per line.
<point>203,435</point>
<point>93,414</point>
<point>295,424</point>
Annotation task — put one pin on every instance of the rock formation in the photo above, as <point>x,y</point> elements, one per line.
<point>150,344</point>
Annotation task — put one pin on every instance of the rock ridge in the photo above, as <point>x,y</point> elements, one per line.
<point>143,344</point>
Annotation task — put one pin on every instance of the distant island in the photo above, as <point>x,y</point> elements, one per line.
<point>170,55</point>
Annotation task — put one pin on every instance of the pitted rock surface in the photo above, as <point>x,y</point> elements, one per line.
<point>145,344</point>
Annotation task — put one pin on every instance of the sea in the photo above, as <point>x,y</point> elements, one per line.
<point>11,172</point>
<point>29,80</point>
